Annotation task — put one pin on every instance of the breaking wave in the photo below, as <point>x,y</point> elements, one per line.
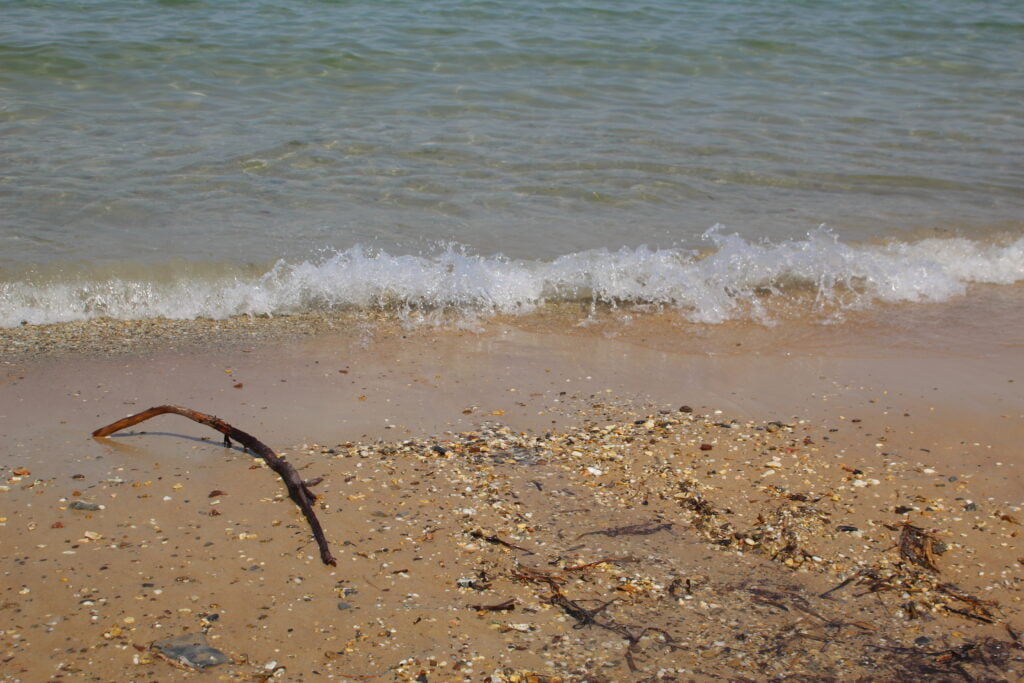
<point>735,278</point>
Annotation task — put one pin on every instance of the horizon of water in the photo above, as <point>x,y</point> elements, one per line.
<point>191,158</point>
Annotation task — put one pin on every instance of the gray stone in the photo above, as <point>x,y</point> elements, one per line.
<point>191,650</point>
<point>82,505</point>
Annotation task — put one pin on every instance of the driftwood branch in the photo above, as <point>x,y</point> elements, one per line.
<point>298,489</point>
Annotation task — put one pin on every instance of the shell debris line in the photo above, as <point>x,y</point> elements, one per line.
<point>632,547</point>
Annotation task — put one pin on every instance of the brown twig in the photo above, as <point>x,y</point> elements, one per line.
<point>298,489</point>
<point>509,604</point>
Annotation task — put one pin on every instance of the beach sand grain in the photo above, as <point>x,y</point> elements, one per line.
<point>536,501</point>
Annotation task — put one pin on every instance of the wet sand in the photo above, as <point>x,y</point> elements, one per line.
<point>630,499</point>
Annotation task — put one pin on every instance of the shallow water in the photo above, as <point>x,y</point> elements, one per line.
<point>154,154</point>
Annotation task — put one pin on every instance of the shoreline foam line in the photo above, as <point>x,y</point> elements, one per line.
<point>737,279</point>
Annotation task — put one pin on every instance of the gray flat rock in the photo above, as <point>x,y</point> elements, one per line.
<point>191,650</point>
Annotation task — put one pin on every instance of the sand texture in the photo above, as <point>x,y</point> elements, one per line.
<point>517,504</point>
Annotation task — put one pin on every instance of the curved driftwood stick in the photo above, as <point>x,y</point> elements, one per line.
<point>297,488</point>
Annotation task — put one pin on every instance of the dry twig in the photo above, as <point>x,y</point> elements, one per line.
<point>298,489</point>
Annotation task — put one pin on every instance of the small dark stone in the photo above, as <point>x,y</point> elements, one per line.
<point>342,605</point>
<point>971,507</point>
<point>440,450</point>
<point>903,509</point>
<point>83,505</point>
<point>922,641</point>
<point>685,409</point>
<point>847,528</point>
<point>706,447</point>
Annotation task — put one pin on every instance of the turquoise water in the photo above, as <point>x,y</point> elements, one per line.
<point>159,157</point>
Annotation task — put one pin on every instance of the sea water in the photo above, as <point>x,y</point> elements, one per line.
<point>208,158</point>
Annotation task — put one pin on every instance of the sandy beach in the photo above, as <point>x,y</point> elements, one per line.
<point>575,342</point>
<point>531,499</point>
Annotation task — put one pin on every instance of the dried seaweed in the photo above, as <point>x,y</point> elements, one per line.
<point>641,529</point>
<point>856,576</point>
<point>583,616</point>
<point>493,538</point>
<point>977,609</point>
<point>530,575</point>
<point>971,661</point>
<point>918,546</point>
<point>609,560</point>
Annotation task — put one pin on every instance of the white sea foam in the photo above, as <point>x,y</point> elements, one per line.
<point>735,278</point>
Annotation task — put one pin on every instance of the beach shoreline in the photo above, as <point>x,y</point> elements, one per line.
<point>592,342</point>
<point>552,436</point>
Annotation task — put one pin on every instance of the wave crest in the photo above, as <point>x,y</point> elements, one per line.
<point>735,278</point>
